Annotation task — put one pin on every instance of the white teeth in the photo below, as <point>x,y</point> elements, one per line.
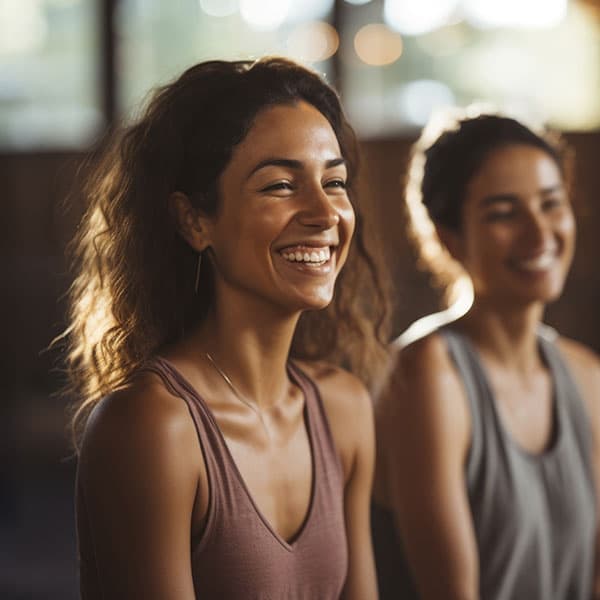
<point>539,263</point>
<point>313,257</point>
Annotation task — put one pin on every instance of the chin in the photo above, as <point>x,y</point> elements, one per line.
<point>316,304</point>
<point>315,299</point>
<point>552,296</point>
<point>537,289</point>
<point>542,296</point>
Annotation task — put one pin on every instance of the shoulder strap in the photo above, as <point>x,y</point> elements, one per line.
<point>477,393</point>
<point>222,482</point>
<point>571,408</point>
<point>317,417</point>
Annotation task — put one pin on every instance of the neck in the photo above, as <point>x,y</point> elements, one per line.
<point>250,344</point>
<point>506,334</point>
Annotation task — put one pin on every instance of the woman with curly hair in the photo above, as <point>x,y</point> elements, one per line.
<point>222,454</point>
<point>489,431</point>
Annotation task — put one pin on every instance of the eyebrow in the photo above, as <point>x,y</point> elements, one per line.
<point>501,198</point>
<point>292,164</point>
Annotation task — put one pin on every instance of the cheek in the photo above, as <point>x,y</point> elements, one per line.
<point>346,227</point>
<point>567,227</point>
<point>348,217</point>
<point>486,242</point>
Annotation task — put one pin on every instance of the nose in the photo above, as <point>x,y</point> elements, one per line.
<point>320,209</point>
<point>536,229</point>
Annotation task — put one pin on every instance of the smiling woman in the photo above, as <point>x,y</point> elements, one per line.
<point>488,431</point>
<point>220,456</point>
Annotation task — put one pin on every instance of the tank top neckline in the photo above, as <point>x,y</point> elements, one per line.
<point>298,378</point>
<point>557,429</point>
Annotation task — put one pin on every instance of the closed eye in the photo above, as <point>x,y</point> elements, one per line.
<point>550,203</point>
<point>499,215</point>
<point>279,186</point>
<point>336,183</point>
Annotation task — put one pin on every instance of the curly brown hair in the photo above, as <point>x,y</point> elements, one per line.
<point>133,290</point>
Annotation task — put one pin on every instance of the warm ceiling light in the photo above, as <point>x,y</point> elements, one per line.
<point>377,45</point>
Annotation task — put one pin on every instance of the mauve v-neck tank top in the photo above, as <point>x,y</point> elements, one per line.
<point>534,515</point>
<point>239,555</point>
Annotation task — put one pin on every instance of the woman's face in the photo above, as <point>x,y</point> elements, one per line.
<point>518,230</point>
<point>284,224</point>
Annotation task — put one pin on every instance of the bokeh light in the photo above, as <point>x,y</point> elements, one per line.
<point>313,42</point>
<point>23,27</point>
<point>421,16</point>
<point>377,45</point>
<point>515,13</point>
<point>417,100</point>
<point>310,10</point>
<point>265,15</point>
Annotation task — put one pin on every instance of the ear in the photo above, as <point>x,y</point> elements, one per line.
<point>452,240</point>
<point>191,223</point>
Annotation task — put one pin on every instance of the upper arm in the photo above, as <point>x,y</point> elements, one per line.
<point>423,429</point>
<point>350,414</point>
<point>139,485</point>
<point>585,367</point>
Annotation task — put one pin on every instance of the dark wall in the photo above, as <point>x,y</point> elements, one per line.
<point>37,537</point>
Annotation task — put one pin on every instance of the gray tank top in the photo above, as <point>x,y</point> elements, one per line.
<point>239,555</point>
<point>534,516</point>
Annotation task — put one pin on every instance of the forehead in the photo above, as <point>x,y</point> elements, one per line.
<point>514,169</point>
<point>293,130</point>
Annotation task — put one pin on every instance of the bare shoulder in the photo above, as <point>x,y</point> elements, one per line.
<point>140,473</point>
<point>422,368</point>
<point>579,355</point>
<point>424,405</point>
<point>348,408</point>
<point>343,393</point>
<point>584,365</point>
<point>426,356</point>
<point>139,425</point>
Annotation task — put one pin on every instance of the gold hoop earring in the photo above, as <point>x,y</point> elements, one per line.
<point>198,266</point>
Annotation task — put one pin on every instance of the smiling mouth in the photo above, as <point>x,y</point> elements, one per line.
<point>539,263</point>
<point>307,255</point>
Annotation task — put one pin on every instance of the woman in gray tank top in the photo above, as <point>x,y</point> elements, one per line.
<point>489,428</point>
<point>217,459</point>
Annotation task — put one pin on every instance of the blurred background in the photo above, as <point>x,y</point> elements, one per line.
<point>72,69</point>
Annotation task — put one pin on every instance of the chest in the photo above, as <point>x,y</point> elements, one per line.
<point>525,408</point>
<point>531,497</point>
<point>275,518</point>
<point>534,525</point>
<point>278,478</point>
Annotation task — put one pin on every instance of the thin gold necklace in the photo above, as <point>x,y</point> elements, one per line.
<point>236,392</point>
